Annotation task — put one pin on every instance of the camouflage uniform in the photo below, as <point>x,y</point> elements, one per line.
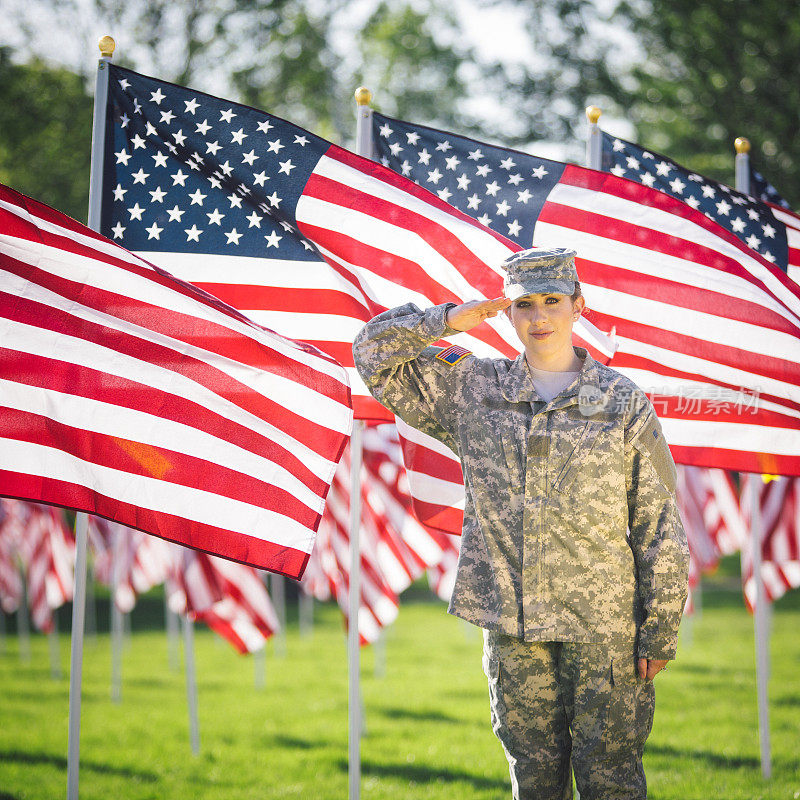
<point>567,599</point>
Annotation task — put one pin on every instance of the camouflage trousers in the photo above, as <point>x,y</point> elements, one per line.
<point>563,706</point>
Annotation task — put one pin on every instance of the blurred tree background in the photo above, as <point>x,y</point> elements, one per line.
<point>688,77</point>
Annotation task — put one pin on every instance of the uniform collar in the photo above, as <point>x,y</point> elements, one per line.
<point>518,387</point>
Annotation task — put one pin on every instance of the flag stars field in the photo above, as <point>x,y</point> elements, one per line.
<point>715,200</point>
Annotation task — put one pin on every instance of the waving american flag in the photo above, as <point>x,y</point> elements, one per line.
<point>707,327</point>
<point>127,393</point>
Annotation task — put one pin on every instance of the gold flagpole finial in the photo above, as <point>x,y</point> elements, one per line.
<point>363,96</point>
<point>742,145</point>
<point>593,114</point>
<point>106,45</point>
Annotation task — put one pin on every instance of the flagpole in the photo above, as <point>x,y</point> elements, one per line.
<point>355,707</point>
<point>760,615</point>
<point>171,625</point>
<point>761,626</point>
<point>742,162</point>
<point>305,614</point>
<point>76,657</point>
<point>54,647</point>
<point>23,626</point>
<point>353,644</point>
<point>106,45</point>
<point>594,140</point>
<point>116,620</point>
<point>191,681</point>
<point>277,585</point>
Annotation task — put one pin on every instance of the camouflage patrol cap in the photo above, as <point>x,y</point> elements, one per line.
<point>540,270</point>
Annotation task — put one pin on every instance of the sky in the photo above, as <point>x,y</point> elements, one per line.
<point>497,33</point>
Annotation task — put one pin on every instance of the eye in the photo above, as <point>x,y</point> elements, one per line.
<point>522,304</point>
<point>552,300</point>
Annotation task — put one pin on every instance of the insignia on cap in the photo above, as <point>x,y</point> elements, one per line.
<point>453,354</point>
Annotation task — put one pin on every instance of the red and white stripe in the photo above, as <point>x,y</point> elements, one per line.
<point>126,392</point>
<point>12,526</point>
<point>230,598</point>
<point>134,561</point>
<point>442,576</point>
<point>699,319</point>
<point>51,564</point>
<point>780,540</point>
<point>792,223</point>
<point>395,548</point>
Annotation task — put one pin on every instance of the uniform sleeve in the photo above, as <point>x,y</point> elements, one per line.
<point>657,536</point>
<point>393,355</point>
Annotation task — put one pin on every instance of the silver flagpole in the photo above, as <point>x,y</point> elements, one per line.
<point>171,625</point>
<point>355,707</point>
<point>594,141</point>
<point>55,648</point>
<point>191,682</point>
<point>353,644</point>
<point>761,627</point>
<point>106,45</point>
<point>305,614</point>
<point>761,614</point>
<point>76,657</point>
<point>23,625</point>
<point>116,620</point>
<point>277,587</point>
<point>742,147</point>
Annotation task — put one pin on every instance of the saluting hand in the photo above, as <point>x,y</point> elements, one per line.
<point>468,315</point>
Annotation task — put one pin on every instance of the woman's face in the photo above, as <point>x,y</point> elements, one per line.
<point>544,323</point>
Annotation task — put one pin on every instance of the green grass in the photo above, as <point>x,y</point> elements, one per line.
<point>428,733</point>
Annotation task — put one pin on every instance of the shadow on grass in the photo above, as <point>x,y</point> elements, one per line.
<point>421,716</point>
<point>422,774</point>
<point>60,762</point>
<point>282,740</point>
<point>6,796</point>
<point>716,760</point>
<point>791,700</point>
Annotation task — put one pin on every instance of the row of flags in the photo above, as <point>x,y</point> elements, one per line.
<point>212,408</point>
<point>35,540</point>
<point>396,551</point>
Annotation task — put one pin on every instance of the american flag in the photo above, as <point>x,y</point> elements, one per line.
<point>761,188</point>
<point>134,561</point>
<point>299,234</point>
<point>48,553</point>
<point>693,498</point>
<point>11,530</point>
<point>709,329</point>
<point>779,500</point>
<point>230,598</point>
<point>768,231</point>
<point>395,548</point>
<point>130,394</point>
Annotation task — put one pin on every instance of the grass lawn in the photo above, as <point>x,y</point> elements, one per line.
<point>427,716</point>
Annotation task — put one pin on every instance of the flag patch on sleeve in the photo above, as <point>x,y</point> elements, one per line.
<point>453,354</point>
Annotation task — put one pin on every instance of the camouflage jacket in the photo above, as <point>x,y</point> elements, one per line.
<point>571,530</point>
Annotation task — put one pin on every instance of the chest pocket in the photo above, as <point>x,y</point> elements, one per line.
<point>584,453</point>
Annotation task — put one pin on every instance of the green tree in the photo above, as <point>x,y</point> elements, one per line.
<point>717,70</point>
<point>690,76</point>
<point>45,134</point>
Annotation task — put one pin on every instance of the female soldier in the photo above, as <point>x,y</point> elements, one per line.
<point>573,557</point>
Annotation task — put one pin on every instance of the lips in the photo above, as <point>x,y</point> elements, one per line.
<point>542,335</point>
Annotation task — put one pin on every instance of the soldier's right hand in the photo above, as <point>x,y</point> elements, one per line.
<point>468,315</point>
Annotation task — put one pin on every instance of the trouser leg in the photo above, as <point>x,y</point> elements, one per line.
<point>611,712</point>
<point>528,715</point>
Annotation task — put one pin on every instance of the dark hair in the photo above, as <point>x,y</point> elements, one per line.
<point>577,293</point>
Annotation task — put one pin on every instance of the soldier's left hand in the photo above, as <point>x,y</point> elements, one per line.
<point>650,667</point>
